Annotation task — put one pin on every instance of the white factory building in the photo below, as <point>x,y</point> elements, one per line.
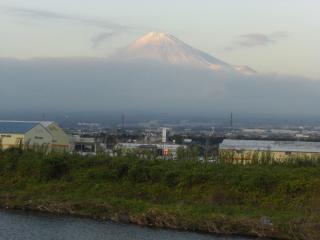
<point>279,150</point>
<point>33,134</point>
<point>166,150</point>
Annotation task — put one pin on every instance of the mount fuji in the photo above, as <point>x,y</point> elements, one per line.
<point>156,73</point>
<point>165,48</point>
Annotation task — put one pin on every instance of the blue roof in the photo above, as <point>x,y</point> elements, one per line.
<point>16,127</point>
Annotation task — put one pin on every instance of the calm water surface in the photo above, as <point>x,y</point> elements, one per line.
<point>31,226</point>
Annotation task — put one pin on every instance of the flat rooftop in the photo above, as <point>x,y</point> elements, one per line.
<point>275,146</point>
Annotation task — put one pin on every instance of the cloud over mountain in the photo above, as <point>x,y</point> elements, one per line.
<point>156,73</point>
<point>256,39</point>
<point>108,28</point>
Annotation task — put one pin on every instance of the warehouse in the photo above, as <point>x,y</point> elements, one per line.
<point>23,134</point>
<point>60,140</point>
<point>27,134</point>
<point>84,145</point>
<point>248,150</point>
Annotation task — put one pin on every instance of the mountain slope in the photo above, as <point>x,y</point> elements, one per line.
<point>163,47</point>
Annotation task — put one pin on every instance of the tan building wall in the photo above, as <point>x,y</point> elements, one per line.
<point>11,140</point>
<point>60,140</point>
<point>35,137</point>
<point>38,137</point>
<point>248,155</point>
<point>46,135</point>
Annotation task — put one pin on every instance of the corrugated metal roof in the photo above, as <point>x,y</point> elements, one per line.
<point>14,127</point>
<point>46,123</point>
<point>275,146</point>
<point>43,123</point>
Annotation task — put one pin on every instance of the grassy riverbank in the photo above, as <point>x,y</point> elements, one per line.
<point>274,200</point>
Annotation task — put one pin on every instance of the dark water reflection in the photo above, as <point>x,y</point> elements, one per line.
<point>30,226</point>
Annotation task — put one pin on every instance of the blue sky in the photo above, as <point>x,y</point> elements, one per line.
<point>279,36</point>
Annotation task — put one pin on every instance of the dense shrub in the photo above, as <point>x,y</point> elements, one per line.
<point>139,173</point>
<point>289,180</point>
<point>9,159</point>
<point>171,177</point>
<point>130,183</point>
<point>54,167</point>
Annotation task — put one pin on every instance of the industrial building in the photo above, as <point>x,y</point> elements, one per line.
<point>164,150</point>
<point>31,134</point>
<point>247,150</point>
<point>84,145</point>
<point>60,140</point>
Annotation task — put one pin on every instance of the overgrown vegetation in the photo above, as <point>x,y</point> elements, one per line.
<point>275,200</point>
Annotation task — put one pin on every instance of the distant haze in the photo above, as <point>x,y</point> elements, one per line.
<point>152,83</point>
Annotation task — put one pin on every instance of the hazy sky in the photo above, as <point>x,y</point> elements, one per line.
<point>280,36</point>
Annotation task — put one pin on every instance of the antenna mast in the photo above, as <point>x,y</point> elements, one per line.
<point>122,121</point>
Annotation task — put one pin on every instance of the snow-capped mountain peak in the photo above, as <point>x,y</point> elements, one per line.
<point>163,47</point>
<point>155,38</point>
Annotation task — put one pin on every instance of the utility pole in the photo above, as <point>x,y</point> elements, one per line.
<point>206,149</point>
<point>122,122</point>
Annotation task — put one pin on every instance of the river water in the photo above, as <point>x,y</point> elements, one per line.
<point>16,225</point>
